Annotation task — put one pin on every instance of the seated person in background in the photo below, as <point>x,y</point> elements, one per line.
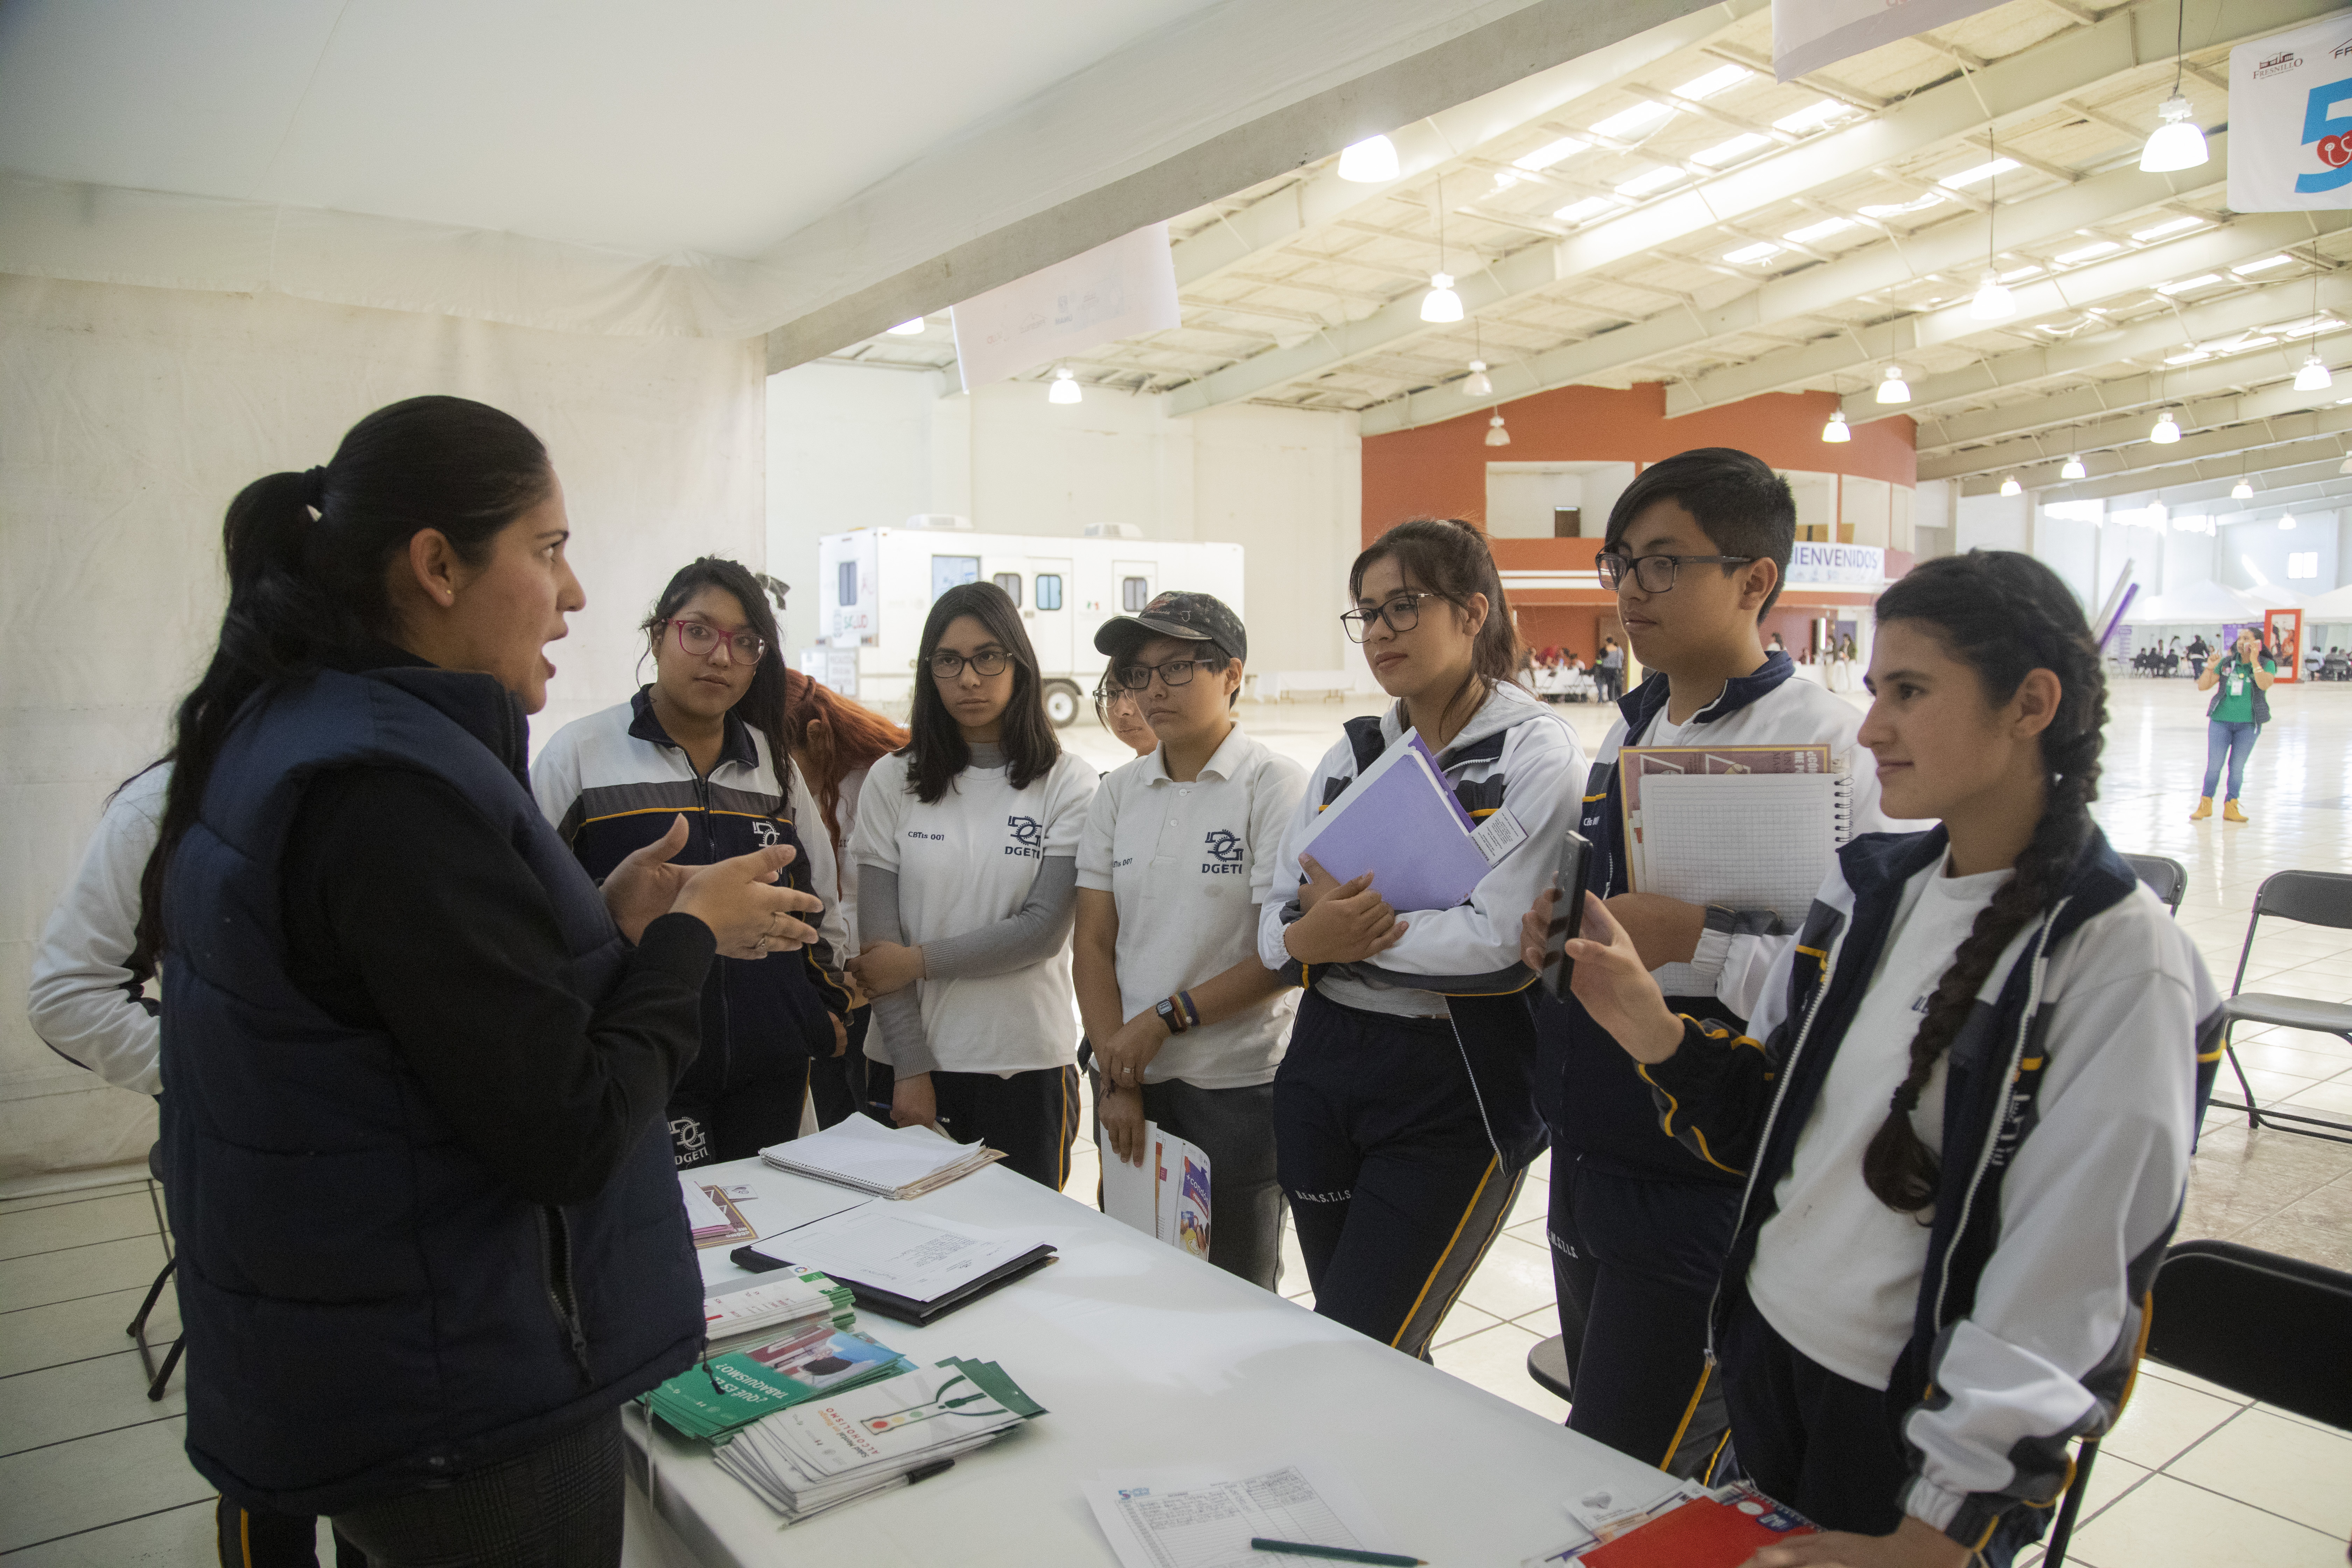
<point>1179,854</point>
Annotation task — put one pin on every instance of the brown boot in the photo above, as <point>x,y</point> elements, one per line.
<point>2230,812</point>
<point>2204,808</point>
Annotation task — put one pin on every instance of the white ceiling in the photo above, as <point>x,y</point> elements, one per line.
<point>717,126</point>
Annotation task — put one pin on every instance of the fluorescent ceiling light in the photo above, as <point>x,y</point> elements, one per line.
<point>1496,435</point>
<point>2015,273</point>
<point>2182,285</point>
<point>2165,430</point>
<point>1729,151</point>
<point>1647,184</point>
<point>1065,387</point>
<point>2073,470</point>
<point>1992,303</point>
<point>2177,143</point>
<point>1477,383</point>
<point>2010,487</point>
<point>1981,171</point>
<point>1893,388</point>
<point>1371,162</point>
<point>1588,208</point>
<point>2086,253</point>
<point>1629,124</point>
<point>2241,491</point>
<point>1441,303</point>
<point>2308,326</point>
<point>1550,153</point>
<point>1748,253</point>
<point>1813,116</point>
<point>2188,356</point>
<point>2248,269</point>
<point>1713,82</point>
<point>1900,209</point>
<point>2313,377</point>
<point>2286,524</point>
<point>909,327</point>
<point>1837,432</point>
<point>2171,225</point>
<point>1821,231</point>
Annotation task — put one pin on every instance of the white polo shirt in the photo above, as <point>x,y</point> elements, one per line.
<point>1188,865</point>
<point>966,862</point>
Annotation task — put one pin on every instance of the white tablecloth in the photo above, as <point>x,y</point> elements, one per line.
<point>1144,1356</point>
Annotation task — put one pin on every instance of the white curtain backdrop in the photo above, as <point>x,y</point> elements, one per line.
<point>129,416</point>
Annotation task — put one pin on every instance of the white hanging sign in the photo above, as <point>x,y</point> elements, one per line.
<point>1859,565</point>
<point>2291,121</point>
<point>1113,291</point>
<point>1809,33</point>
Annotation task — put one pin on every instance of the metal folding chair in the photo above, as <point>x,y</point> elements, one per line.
<point>2312,898</point>
<point>2274,1328</point>
<point>157,1380</point>
<point>2166,878</point>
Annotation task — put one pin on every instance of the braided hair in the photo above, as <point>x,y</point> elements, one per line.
<point>2003,615</point>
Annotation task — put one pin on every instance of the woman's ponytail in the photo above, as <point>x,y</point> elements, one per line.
<point>2003,615</point>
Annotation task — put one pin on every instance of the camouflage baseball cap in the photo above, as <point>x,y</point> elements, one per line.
<point>1199,617</point>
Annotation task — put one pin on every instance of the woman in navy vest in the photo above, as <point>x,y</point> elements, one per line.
<point>414,1062</point>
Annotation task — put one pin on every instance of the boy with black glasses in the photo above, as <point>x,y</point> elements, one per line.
<point>1696,552</point>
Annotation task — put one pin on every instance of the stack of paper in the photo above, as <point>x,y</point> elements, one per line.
<point>714,1398</point>
<point>889,1161</point>
<point>785,1303</point>
<point>829,1451</point>
<point>907,1265</point>
<point>1399,821</point>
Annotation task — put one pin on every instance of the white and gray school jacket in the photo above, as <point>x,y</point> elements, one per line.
<point>84,1002</point>
<point>1515,757</point>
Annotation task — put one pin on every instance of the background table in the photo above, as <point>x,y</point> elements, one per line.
<point>1141,1356</point>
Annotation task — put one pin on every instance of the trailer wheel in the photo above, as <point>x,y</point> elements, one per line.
<point>1062,703</point>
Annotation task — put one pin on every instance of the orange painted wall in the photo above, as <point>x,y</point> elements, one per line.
<point>1440,470</point>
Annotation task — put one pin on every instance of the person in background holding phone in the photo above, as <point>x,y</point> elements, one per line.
<point>1180,854</point>
<point>2240,683</point>
<point>1695,549</point>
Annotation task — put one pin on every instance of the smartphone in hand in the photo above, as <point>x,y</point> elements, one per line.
<point>1568,911</point>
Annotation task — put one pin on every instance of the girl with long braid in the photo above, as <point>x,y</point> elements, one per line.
<point>1965,1111</point>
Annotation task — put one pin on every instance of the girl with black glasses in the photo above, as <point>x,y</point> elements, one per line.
<point>967,874</point>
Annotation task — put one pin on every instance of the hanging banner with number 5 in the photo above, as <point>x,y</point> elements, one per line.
<point>2291,121</point>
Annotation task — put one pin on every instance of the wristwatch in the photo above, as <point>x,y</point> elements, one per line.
<point>1172,1016</point>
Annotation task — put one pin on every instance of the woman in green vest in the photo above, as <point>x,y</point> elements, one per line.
<point>2235,716</point>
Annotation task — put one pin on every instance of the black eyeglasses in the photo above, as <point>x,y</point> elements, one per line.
<point>1656,574</point>
<point>1175,672</point>
<point>988,661</point>
<point>1402,612</point>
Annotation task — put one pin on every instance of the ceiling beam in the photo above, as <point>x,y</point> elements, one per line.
<point>1995,375</point>
<point>1438,143</point>
<point>2286,487</point>
<point>2285,434</point>
<point>1801,294</point>
<point>1224,98</point>
<point>1860,351</point>
<point>2325,494</point>
<point>2319,452</point>
<point>2095,442</point>
<point>2127,39</point>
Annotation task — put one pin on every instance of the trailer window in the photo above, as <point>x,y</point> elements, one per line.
<point>1011,582</point>
<point>844,591</point>
<point>952,571</point>
<point>1134,592</point>
<point>1049,590</point>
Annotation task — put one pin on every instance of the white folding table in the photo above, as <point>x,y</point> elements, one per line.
<point>1142,1356</point>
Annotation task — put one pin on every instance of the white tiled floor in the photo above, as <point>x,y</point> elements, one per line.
<point>90,1473</point>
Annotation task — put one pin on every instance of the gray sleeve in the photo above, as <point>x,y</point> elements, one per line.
<point>1030,934</point>
<point>898,1016</point>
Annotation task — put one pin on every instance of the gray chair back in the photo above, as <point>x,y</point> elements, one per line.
<point>2166,878</point>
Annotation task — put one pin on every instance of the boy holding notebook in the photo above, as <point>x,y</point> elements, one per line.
<point>1697,551</point>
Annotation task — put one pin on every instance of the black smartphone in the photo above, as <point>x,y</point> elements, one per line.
<point>1568,911</point>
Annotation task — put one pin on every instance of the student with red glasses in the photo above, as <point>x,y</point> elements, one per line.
<point>699,761</point>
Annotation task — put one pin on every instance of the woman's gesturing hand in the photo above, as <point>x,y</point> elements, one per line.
<point>1345,923</point>
<point>886,966</point>
<point>1615,986</point>
<point>739,899</point>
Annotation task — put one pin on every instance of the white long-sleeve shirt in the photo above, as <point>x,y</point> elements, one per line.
<point>83,1000</point>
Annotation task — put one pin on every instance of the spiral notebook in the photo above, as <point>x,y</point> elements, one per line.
<point>1751,827</point>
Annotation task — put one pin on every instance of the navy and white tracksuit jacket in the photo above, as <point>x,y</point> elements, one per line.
<point>612,783</point>
<point>2072,1095</point>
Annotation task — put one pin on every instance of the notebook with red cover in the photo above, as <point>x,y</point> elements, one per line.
<point>1702,1533</point>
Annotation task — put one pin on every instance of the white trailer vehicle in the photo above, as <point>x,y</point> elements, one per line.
<point>876,585</point>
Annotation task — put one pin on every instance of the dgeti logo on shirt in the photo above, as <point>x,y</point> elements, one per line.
<point>1225,852</point>
<point>1028,837</point>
